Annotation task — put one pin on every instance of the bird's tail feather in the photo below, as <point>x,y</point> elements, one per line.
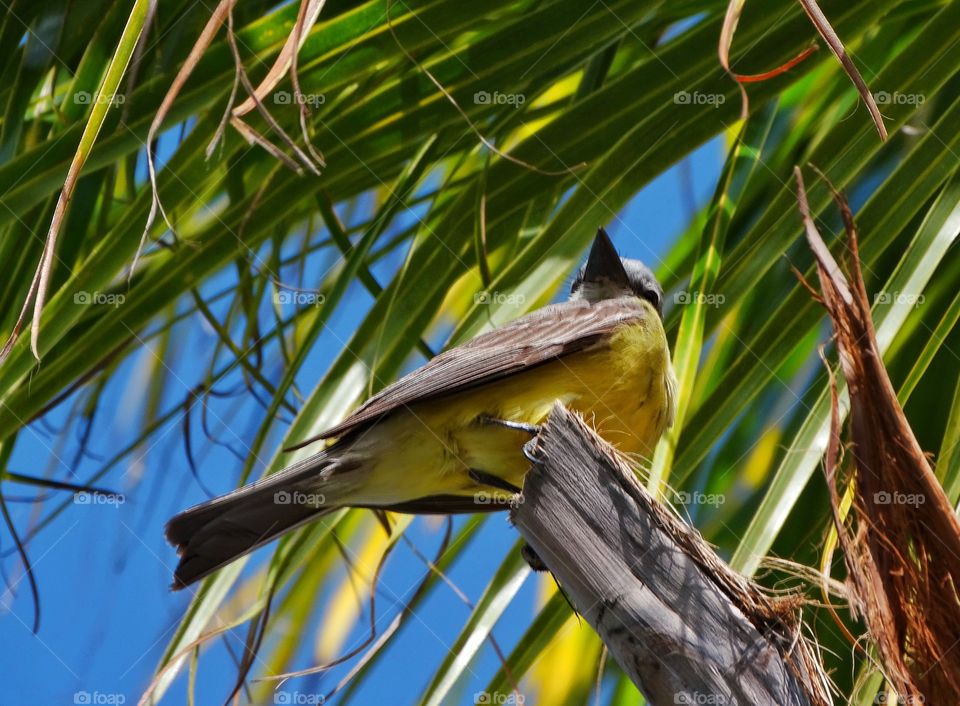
<point>213,534</point>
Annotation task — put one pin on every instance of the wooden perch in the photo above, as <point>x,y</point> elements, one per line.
<point>683,626</point>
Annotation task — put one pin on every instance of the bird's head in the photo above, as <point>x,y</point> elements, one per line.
<point>606,275</point>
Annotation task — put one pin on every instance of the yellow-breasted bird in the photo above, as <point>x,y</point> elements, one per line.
<point>449,436</point>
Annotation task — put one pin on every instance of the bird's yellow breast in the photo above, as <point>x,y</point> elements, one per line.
<point>623,386</point>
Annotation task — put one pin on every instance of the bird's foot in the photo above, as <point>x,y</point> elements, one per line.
<point>529,451</point>
<point>532,558</point>
<point>531,429</point>
<point>483,478</point>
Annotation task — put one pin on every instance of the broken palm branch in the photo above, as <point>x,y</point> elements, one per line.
<point>683,626</point>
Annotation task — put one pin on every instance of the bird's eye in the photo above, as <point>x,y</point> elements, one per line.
<point>654,297</point>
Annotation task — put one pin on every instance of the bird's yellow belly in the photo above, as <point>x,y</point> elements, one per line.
<point>621,387</point>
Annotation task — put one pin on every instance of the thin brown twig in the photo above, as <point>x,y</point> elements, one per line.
<point>220,13</point>
<point>247,131</point>
<point>281,678</point>
<point>829,35</point>
<point>782,69</point>
<point>305,19</point>
<point>298,30</point>
<point>432,565</point>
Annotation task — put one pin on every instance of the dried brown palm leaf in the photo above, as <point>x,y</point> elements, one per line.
<point>901,540</point>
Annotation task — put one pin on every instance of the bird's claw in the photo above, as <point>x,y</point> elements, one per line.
<point>531,429</point>
<point>483,478</point>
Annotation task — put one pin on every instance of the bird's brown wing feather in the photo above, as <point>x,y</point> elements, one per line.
<point>541,336</point>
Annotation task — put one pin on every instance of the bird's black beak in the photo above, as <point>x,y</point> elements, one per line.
<point>604,263</point>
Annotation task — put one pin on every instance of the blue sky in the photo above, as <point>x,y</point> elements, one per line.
<point>103,570</point>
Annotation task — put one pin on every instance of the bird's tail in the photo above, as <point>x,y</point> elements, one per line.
<point>211,535</point>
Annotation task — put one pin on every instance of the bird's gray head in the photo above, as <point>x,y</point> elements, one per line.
<point>606,275</point>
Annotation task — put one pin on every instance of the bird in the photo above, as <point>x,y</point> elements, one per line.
<point>448,437</point>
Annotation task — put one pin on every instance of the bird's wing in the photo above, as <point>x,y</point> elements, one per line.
<point>541,336</point>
